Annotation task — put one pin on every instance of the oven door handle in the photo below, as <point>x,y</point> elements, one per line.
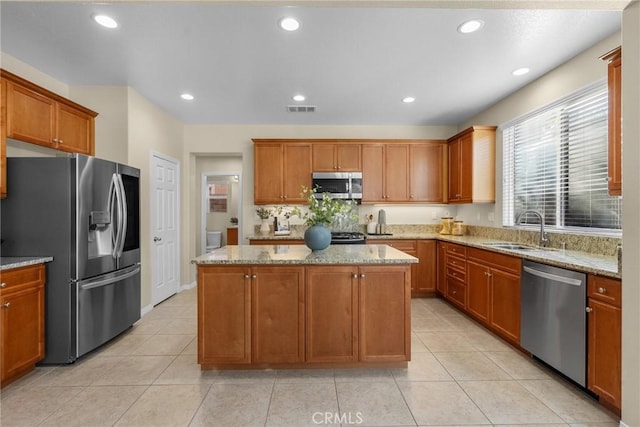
<point>109,278</point>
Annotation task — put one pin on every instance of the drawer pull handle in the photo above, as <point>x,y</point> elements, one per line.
<point>602,290</point>
<point>362,276</point>
<point>455,292</point>
<point>254,276</point>
<point>6,305</point>
<point>3,285</point>
<point>355,276</point>
<point>246,276</point>
<point>588,309</point>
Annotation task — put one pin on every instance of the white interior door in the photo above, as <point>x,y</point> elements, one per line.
<point>164,200</point>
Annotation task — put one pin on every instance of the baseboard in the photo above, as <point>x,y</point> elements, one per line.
<point>187,286</point>
<point>146,310</point>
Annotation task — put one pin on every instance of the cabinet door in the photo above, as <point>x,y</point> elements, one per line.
<point>505,304</point>
<point>604,354</point>
<point>454,170</point>
<point>267,174</point>
<point>396,173</point>
<point>22,341</point>
<point>426,269</point>
<point>441,277</point>
<point>331,314</point>
<point>348,158</point>
<point>372,176</point>
<point>466,168</point>
<point>297,171</point>
<point>615,126</point>
<point>74,130</point>
<point>277,298</point>
<point>478,291</point>
<point>324,158</point>
<point>224,323</point>
<point>385,306</point>
<point>426,170</point>
<point>30,116</point>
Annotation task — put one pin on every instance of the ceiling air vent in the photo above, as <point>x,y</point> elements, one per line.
<point>301,108</point>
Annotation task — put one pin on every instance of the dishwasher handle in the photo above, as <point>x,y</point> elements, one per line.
<point>554,277</point>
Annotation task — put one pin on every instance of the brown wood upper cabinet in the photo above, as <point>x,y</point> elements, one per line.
<point>404,171</point>
<point>280,169</point>
<point>3,138</point>
<point>38,116</point>
<point>472,165</point>
<point>614,176</point>
<point>336,157</point>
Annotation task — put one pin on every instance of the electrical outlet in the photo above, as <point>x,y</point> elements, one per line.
<point>434,214</point>
<point>491,216</point>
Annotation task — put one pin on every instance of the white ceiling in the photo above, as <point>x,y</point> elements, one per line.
<point>354,64</point>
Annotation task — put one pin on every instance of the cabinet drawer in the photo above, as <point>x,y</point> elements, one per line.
<point>605,289</point>
<point>455,262</point>
<point>22,277</point>
<point>409,246</point>
<point>496,260</point>
<point>458,250</point>
<point>456,291</point>
<point>456,274</point>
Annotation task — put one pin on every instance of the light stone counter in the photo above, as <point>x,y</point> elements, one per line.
<point>574,260</point>
<point>300,254</point>
<point>7,263</point>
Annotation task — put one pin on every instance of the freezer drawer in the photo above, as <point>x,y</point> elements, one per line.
<point>106,306</point>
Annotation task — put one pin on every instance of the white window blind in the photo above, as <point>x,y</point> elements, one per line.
<point>555,162</point>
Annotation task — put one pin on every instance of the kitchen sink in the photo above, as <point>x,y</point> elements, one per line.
<point>513,246</point>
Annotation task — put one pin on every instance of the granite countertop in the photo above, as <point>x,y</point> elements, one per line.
<point>300,254</point>
<point>9,262</point>
<point>574,260</point>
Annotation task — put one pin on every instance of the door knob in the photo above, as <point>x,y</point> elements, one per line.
<point>157,239</point>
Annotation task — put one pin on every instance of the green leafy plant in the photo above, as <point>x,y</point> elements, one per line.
<point>263,213</point>
<point>321,210</point>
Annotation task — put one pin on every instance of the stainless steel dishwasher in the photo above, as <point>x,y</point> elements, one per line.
<point>553,323</point>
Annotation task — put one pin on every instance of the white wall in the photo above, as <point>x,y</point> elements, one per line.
<point>630,209</point>
<point>150,130</point>
<point>112,123</point>
<point>574,74</point>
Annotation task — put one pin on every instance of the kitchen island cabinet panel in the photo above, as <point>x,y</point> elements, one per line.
<point>277,296</point>
<point>385,328</point>
<point>331,314</point>
<point>224,315</point>
<point>22,309</point>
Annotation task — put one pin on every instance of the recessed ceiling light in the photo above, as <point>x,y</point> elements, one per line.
<point>298,97</point>
<point>470,26</point>
<point>408,99</point>
<point>105,21</point>
<point>520,71</point>
<point>187,97</point>
<point>289,24</point>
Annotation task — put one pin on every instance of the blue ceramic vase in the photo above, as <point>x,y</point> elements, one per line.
<point>317,237</point>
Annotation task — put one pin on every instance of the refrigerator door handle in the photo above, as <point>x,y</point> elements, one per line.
<point>109,278</point>
<point>113,213</point>
<point>119,213</point>
<point>123,222</point>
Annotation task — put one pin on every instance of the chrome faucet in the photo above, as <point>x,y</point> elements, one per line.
<point>544,236</point>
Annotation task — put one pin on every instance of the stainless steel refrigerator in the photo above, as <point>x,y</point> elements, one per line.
<point>84,212</point>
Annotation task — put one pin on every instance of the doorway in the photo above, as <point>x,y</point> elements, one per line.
<point>221,214</point>
<point>165,202</point>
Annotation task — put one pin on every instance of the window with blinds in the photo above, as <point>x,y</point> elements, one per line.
<point>555,162</point>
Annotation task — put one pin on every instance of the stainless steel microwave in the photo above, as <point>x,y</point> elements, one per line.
<point>341,185</point>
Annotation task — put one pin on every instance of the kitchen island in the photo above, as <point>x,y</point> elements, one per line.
<point>285,306</point>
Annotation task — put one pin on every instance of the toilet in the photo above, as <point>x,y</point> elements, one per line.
<point>214,239</point>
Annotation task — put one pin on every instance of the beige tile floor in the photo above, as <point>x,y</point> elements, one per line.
<point>460,374</point>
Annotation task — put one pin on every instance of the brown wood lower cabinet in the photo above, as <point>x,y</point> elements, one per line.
<point>22,310</point>
<point>300,315</point>
<point>605,339</point>
<point>423,274</point>
<point>332,314</point>
<point>385,321</point>
<point>441,272</point>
